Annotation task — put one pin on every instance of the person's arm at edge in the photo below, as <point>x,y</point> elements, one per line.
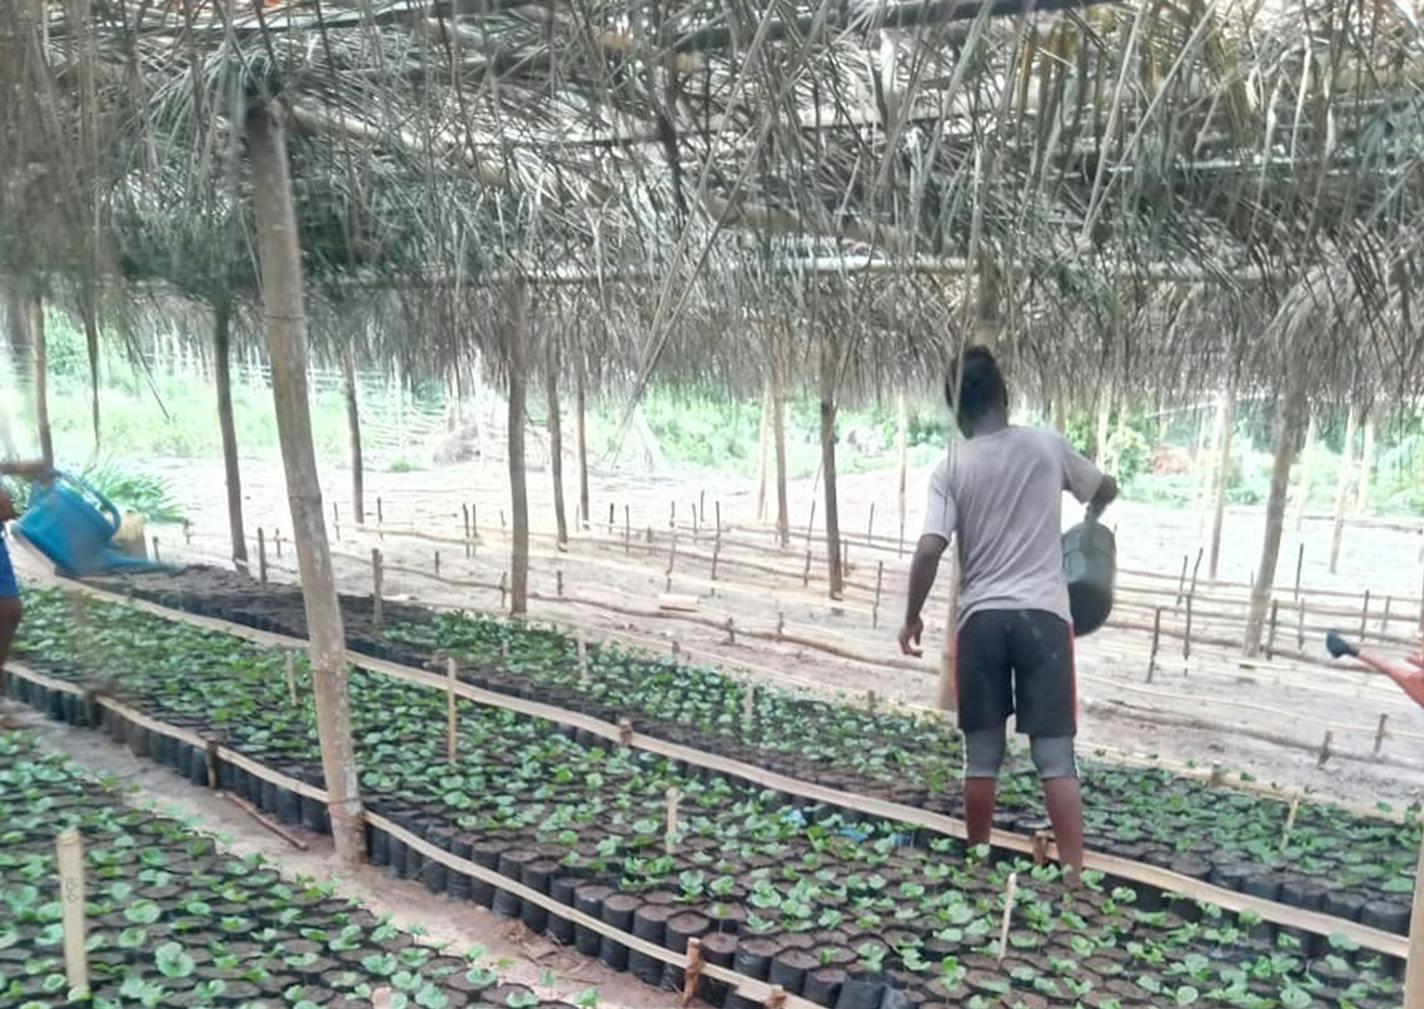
<point>31,469</point>
<point>1411,681</point>
<point>923,569</point>
<point>1105,495</point>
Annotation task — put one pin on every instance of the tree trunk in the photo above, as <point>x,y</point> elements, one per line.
<point>514,336</point>
<point>1307,463</point>
<point>353,427</point>
<point>1208,481</point>
<point>828,465</point>
<point>763,438</point>
<point>556,437</point>
<point>282,292</point>
<point>1342,488</point>
<point>582,449</point>
<point>1100,447</point>
<point>1223,477</point>
<point>222,378</point>
<point>37,339</point>
<point>1288,425</point>
<point>778,437</point>
<point>1414,966</point>
<point>902,448</point>
<point>1367,465</point>
<point>91,345</point>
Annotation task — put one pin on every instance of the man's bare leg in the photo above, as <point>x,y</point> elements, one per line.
<point>10,613</point>
<point>979,797</point>
<point>1064,797</point>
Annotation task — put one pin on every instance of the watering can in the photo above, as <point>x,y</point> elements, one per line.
<point>1090,568</point>
<point>71,522</point>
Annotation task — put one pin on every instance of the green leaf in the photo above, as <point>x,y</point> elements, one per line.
<point>143,912</point>
<point>1186,995</point>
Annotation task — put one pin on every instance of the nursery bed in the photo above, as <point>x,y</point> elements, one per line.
<point>176,922</point>
<point>1355,867</point>
<point>850,914</point>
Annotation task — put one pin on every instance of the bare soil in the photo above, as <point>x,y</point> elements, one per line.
<point>1302,700</point>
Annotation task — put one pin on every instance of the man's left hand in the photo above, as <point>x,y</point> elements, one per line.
<point>910,637</point>
<point>7,506</point>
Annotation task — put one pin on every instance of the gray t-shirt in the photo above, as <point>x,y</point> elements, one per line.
<point>1003,494</point>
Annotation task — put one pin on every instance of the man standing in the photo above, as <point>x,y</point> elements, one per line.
<point>1001,492</point>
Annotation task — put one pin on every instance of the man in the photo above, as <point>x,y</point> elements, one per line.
<point>1001,492</point>
<point>1409,677</point>
<point>10,611</point>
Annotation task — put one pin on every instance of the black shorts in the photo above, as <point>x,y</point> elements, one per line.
<point>1017,661</point>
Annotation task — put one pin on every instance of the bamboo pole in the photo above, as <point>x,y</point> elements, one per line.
<point>514,327</point>
<point>282,291</point>
<point>35,311</point>
<point>1414,971</point>
<point>222,379</point>
<point>1342,488</point>
<point>69,856</point>
<point>828,368</point>
<point>1307,464</point>
<point>902,450</point>
<point>353,429</point>
<point>580,406</point>
<point>763,443</point>
<point>1367,465</point>
<point>1288,425</point>
<point>778,437</point>
<point>1223,476</point>
<point>556,437</point>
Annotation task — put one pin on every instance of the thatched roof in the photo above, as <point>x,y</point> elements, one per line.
<point>1123,190</point>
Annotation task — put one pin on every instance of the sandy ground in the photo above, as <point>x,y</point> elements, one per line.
<point>553,971</point>
<point>1303,701</point>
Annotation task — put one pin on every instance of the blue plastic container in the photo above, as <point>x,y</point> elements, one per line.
<point>71,522</point>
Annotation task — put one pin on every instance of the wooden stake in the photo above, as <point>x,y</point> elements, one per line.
<point>377,577</point>
<point>625,733</point>
<point>810,522</point>
<point>1300,625</point>
<point>1182,582</point>
<point>696,522</point>
<point>581,646</point>
<point>806,574</point>
<point>69,855</point>
<point>870,526</point>
<point>465,510</point>
<point>276,541</point>
<point>670,837</point>
<point>717,511</point>
<point>693,974</point>
<point>437,564</point>
<point>879,580</point>
<point>1299,563</point>
<point>1156,640</point>
<point>672,514</point>
<point>1187,636</point>
<point>1380,734</point>
<point>775,997</point>
<point>1384,618</point>
<point>1325,749</point>
<point>261,557</point>
<point>701,509</point>
<point>716,553</point>
<point>731,631</point>
<point>1195,568</point>
<point>1365,614</point>
<point>187,533</point>
<point>610,518</point>
<point>1010,891</point>
<point>452,675</point>
<point>380,515</point>
<point>475,523</point>
<point>503,587</point>
<point>1290,821</point>
<point>1271,634</point>
<point>627,529</point>
<point>158,560</point>
<point>559,582</point>
<point>291,665</point>
<point>1040,846</point>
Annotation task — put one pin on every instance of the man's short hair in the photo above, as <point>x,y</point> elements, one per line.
<point>981,385</point>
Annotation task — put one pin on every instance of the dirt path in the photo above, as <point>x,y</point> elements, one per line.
<point>1299,700</point>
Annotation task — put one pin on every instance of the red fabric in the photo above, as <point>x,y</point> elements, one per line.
<point>1073,672</point>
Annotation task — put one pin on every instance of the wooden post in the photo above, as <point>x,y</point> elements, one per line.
<point>503,587</point>
<point>336,520</point>
<point>187,533</point>
<point>377,577</point>
<point>1364,613</point>
<point>1380,734</point>
<point>1182,582</point>
<point>1156,639</point>
<point>158,559</point>
<point>291,670</point>
<point>261,557</point>
<point>581,647</point>
<point>465,511</point>
<point>353,428</point>
<point>452,676</point>
<point>277,542</point>
<point>829,374</point>
<point>763,443</point>
<point>515,325</point>
<point>670,837</point>
<point>222,380</point>
<point>696,522</point>
<point>870,526</point>
<point>1342,487</point>
<point>672,514</point>
<point>627,529</point>
<point>1299,563</point>
<point>693,974</point>
<point>1271,634</point>
<point>902,434</point>
<point>1290,821</point>
<point>559,583</point>
<point>69,856</point>
<point>1009,893</point>
<point>810,522</point>
<point>1227,421</point>
<point>437,564</point>
<point>1187,635</point>
<point>778,434</point>
<point>716,553</point>
<point>1300,625</point>
<point>879,579</point>
<point>1324,757</point>
<point>806,576</point>
<point>1384,617</point>
<point>1414,973</point>
<point>475,523</point>
<point>1192,589</point>
<point>717,514</point>
<point>556,436</point>
<point>610,518</point>
<point>380,516</point>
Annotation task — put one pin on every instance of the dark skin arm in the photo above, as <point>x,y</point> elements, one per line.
<point>1409,676</point>
<point>1106,495</point>
<point>33,470</point>
<point>923,569</point>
